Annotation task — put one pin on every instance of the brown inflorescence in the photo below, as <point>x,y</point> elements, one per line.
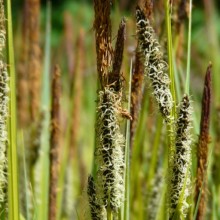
<point>104,51</point>
<point>114,80</point>
<point>34,63</point>
<point>204,139</point>
<point>54,142</point>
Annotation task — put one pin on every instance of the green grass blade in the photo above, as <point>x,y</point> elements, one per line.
<point>13,204</point>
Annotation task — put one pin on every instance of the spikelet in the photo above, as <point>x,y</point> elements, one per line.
<point>180,177</point>
<point>154,66</point>
<point>97,211</point>
<point>203,142</point>
<point>4,99</point>
<point>109,152</point>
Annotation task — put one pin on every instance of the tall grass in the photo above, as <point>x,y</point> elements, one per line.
<point>127,83</point>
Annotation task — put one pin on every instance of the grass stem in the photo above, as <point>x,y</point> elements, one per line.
<point>13,194</point>
<point>188,49</point>
<point>127,157</point>
<point>170,53</point>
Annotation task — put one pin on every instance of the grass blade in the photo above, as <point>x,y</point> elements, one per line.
<point>13,205</point>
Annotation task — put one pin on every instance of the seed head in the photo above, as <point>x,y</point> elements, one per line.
<point>154,66</point>
<point>109,152</point>
<point>180,176</point>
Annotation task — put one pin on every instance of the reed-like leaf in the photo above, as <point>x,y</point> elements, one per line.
<point>13,195</point>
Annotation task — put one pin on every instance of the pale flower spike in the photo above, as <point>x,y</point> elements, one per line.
<point>155,67</point>
<point>179,187</point>
<point>109,152</point>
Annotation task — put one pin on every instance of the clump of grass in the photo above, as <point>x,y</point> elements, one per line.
<point>108,186</point>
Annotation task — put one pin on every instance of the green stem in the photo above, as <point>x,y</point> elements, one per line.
<point>170,126</point>
<point>109,214</point>
<point>13,195</point>
<point>170,53</point>
<point>127,158</point>
<point>188,49</point>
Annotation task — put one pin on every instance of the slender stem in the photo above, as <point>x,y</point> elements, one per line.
<point>170,126</point>
<point>12,149</point>
<point>127,158</point>
<point>170,53</point>
<point>189,49</point>
<point>109,214</point>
